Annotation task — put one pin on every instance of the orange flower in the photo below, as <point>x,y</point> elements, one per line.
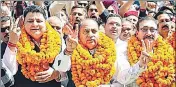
<point>91,71</point>
<point>160,71</point>
<point>32,61</point>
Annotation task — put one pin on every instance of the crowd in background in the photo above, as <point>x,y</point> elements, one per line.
<point>66,18</point>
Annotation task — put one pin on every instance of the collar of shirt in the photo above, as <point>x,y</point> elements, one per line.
<point>92,52</point>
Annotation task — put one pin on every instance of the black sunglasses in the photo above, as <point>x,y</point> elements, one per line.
<point>5,28</point>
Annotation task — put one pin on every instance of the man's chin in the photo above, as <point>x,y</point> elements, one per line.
<point>91,46</point>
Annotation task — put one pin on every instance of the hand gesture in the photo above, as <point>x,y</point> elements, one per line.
<point>47,75</point>
<point>71,43</point>
<point>145,57</point>
<point>67,29</point>
<point>151,5</point>
<point>15,31</point>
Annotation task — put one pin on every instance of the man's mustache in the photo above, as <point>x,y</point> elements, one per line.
<point>149,37</point>
<point>166,25</point>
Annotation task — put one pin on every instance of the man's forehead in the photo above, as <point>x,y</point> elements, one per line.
<point>89,23</point>
<point>114,19</point>
<point>162,16</point>
<point>147,23</point>
<point>93,6</point>
<point>127,23</point>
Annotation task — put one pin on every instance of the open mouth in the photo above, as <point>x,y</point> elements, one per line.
<point>165,27</point>
<point>34,29</point>
<point>93,16</point>
<point>125,35</point>
<point>114,31</point>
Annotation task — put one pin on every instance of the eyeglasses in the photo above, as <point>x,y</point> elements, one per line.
<point>93,10</point>
<point>82,4</point>
<point>111,11</point>
<point>145,29</point>
<point>5,28</point>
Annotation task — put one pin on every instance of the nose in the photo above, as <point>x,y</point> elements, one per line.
<point>35,23</point>
<point>148,32</point>
<point>90,34</point>
<point>114,25</point>
<point>125,31</point>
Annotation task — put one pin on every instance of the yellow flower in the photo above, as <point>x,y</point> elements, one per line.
<point>161,67</point>
<point>99,67</point>
<point>28,57</point>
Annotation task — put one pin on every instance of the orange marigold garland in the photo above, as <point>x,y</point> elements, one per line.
<point>160,71</point>
<point>172,40</point>
<point>91,71</point>
<point>32,61</point>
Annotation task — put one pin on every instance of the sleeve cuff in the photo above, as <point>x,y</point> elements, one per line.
<point>11,52</point>
<point>140,69</point>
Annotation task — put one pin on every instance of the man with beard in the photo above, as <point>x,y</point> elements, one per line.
<point>78,13</point>
<point>93,14</point>
<point>5,28</point>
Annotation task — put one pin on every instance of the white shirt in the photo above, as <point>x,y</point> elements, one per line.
<point>10,61</point>
<point>125,73</point>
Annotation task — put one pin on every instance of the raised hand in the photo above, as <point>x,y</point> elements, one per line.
<point>71,43</point>
<point>145,57</point>
<point>151,5</point>
<point>15,31</point>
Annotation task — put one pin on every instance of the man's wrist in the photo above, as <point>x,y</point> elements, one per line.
<point>58,77</point>
<point>67,52</point>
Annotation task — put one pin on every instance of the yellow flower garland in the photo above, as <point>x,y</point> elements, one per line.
<point>32,61</point>
<point>91,71</point>
<point>172,40</point>
<point>160,71</point>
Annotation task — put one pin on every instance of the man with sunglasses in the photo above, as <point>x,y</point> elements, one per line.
<point>7,79</point>
<point>93,12</point>
<point>5,28</point>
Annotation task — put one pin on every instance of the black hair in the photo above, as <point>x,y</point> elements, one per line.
<point>143,19</point>
<point>113,15</point>
<point>78,6</point>
<point>162,10</point>
<point>92,3</point>
<point>33,9</point>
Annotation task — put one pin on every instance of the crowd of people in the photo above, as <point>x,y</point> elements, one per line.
<point>108,43</point>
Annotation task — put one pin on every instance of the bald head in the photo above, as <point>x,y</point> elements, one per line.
<point>89,22</point>
<point>56,23</point>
